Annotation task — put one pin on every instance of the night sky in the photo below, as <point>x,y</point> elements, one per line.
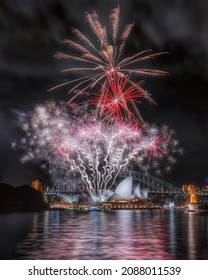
<point>31,32</point>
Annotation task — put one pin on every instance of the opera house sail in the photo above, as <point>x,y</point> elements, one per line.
<point>124,189</point>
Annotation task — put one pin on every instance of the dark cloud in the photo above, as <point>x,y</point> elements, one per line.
<point>31,32</point>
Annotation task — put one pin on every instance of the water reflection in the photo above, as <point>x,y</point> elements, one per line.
<point>123,234</point>
<point>13,228</point>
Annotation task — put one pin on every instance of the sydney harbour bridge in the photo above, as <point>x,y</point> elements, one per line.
<point>153,184</point>
<point>159,191</point>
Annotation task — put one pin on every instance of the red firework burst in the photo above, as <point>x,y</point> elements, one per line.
<point>117,99</point>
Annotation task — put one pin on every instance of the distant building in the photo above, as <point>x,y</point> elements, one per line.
<point>38,185</point>
<point>191,189</point>
<point>70,198</point>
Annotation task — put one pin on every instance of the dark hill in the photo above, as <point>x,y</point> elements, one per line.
<point>23,198</point>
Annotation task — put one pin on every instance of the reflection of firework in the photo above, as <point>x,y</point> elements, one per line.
<point>99,61</point>
<point>94,151</point>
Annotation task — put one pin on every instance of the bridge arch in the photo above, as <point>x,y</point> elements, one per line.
<point>153,184</point>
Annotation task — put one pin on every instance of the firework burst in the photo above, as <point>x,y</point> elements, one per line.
<point>117,100</point>
<point>100,59</point>
<point>92,150</point>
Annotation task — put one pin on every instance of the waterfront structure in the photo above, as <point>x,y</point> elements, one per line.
<point>70,198</point>
<point>152,184</point>
<point>133,190</point>
<point>124,189</point>
<point>191,190</point>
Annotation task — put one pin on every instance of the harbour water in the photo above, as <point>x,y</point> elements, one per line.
<point>115,234</point>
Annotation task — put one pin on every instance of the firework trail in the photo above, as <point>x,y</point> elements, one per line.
<point>98,59</point>
<point>87,147</point>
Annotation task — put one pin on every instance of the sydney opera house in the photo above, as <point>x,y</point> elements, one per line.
<point>124,191</point>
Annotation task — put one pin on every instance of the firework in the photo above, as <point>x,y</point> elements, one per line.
<point>100,58</point>
<point>88,148</point>
<point>118,100</point>
<point>74,142</point>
